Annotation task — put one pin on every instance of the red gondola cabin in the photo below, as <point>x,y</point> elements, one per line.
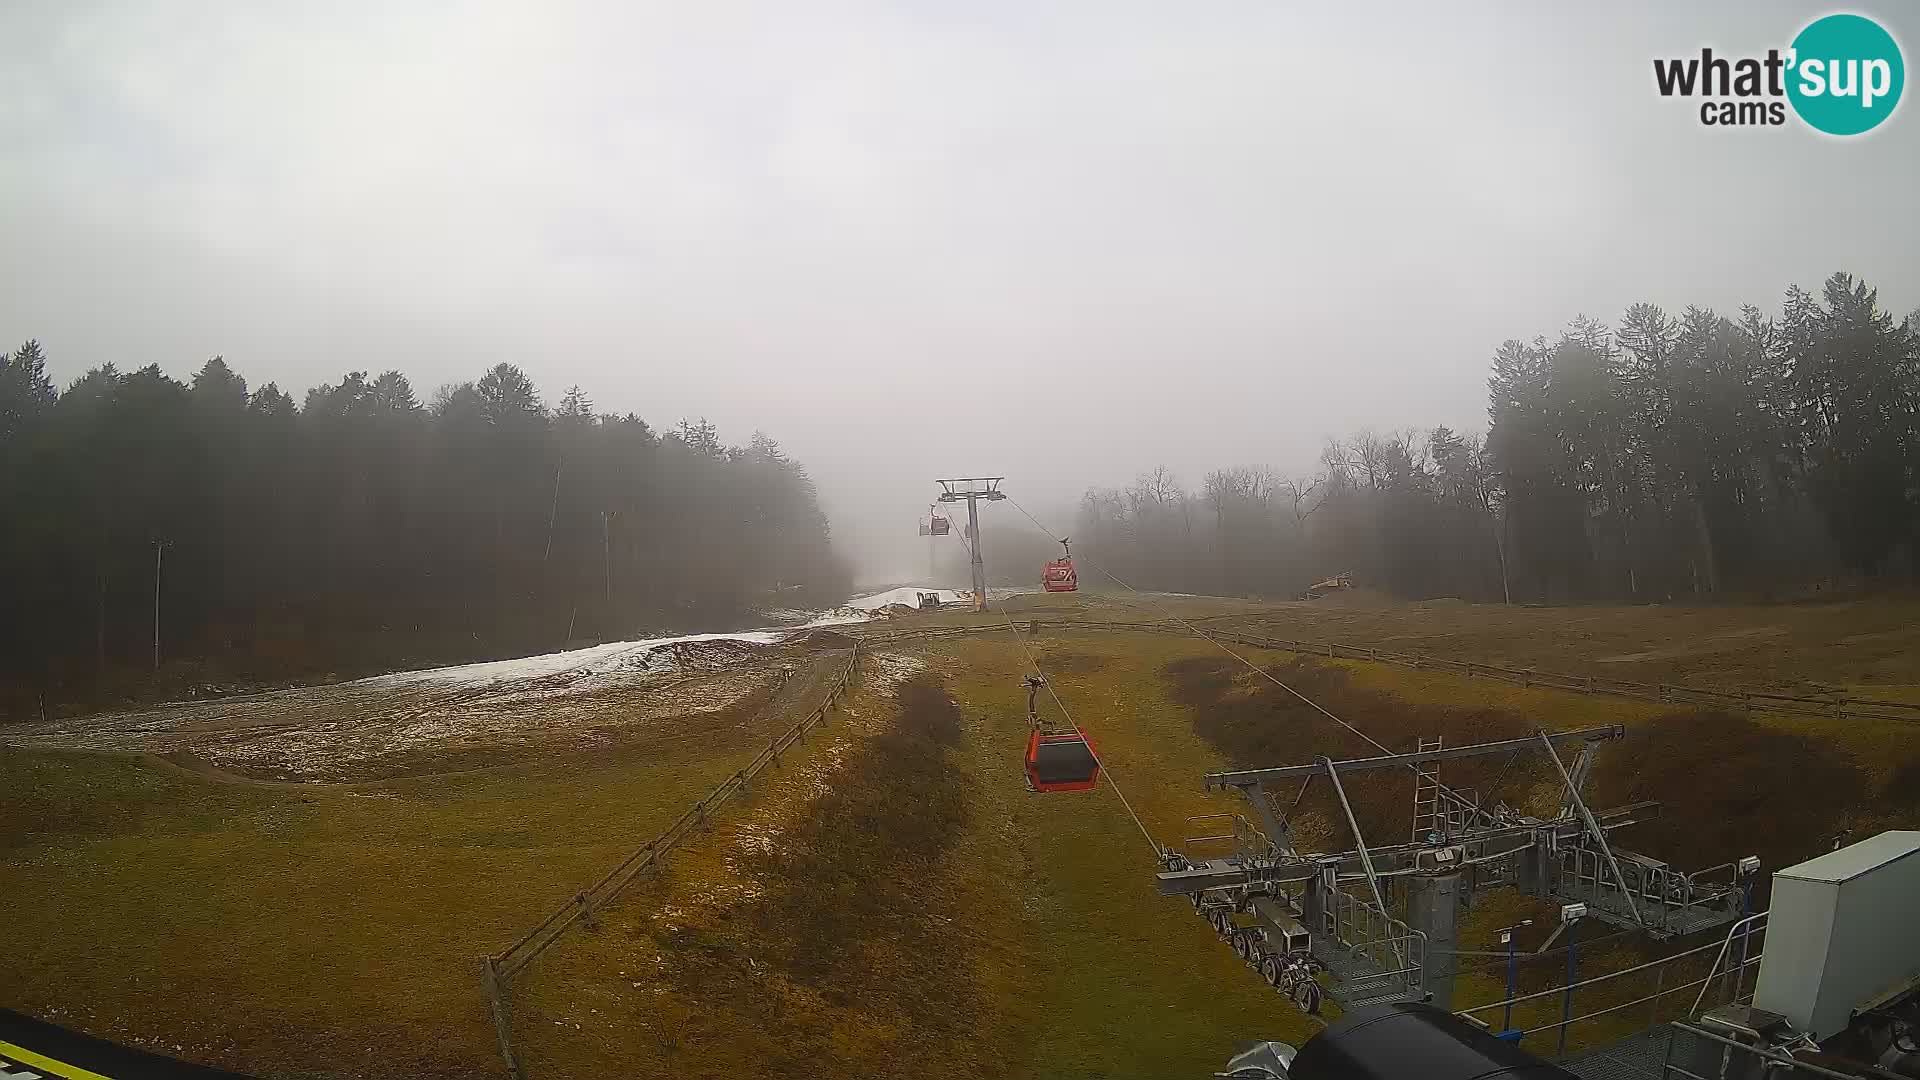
<point>1061,761</point>
<point>1059,575</point>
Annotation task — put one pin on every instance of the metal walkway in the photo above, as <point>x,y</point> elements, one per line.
<point>1663,900</point>
<point>1376,957</point>
<point>1361,980</point>
<point>1640,1056</point>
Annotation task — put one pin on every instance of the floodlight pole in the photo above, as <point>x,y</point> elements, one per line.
<point>158,547</point>
<point>975,488</point>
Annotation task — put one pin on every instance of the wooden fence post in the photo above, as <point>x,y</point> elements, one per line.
<point>502,1021</point>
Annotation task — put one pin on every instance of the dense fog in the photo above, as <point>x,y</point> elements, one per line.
<point>366,335</point>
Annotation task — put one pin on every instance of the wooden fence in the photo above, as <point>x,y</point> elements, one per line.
<point>500,969</point>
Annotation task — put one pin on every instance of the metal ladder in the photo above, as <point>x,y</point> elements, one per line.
<point>1428,815</point>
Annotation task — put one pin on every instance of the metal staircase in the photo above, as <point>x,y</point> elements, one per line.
<point>1375,957</point>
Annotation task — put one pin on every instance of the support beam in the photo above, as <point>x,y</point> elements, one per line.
<point>1276,825</point>
<point>1577,777</point>
<point>1519,841</point>
<point>1359,839</point>
<point>1360,846</point>
<point>1366,861</point>
<point>1593,828</point>
<point>1245,777</point>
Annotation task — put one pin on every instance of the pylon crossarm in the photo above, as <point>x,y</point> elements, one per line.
<point>1394,859</point>
<point>1242,777</point>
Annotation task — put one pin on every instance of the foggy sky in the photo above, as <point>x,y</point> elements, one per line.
<point>1060,242</point>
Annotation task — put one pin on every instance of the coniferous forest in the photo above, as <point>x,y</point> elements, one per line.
<point>1695,456</point>
<point>1667,457</point>
<point>362,528</point>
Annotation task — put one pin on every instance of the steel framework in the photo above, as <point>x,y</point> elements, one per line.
<point>1380,920</point>
<point>970,490</point>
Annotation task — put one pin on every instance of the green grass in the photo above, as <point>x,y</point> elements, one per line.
<point>1868,645</point>
<point>1124,982</point>
<point>250,926</point>
<point>1031,943</point>
<point>291,932</point>
<point>803,933</point>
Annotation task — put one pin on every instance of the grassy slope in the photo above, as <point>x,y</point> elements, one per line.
<point>249,925</point>
<point>1052,956</point>
<point>603,1003</point>
<point>1870,646</point>
<point>1716,770</point>
<point>1882,756</point>
<point>1124,982</point>
<point>252,925</point>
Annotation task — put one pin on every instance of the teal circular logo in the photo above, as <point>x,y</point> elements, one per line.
<point>1846,74</point>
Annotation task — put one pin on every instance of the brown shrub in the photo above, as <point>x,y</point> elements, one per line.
<point>1264,725</point>
<point>1729,787</point>
<point>1902,790</point>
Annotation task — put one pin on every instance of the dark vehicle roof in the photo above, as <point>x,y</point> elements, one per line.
<point>1410,1040</point>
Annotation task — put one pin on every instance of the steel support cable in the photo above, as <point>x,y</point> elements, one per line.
<point>1034,663</point>
<point>1495,786</point>
<point>1251,666</point>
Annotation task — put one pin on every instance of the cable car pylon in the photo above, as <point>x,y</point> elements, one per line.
<point>972,489</point>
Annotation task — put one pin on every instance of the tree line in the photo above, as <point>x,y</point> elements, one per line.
<point>255,537</point>
<point>1667,457</point>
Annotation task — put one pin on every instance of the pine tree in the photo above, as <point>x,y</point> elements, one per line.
<point>26,393</point>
